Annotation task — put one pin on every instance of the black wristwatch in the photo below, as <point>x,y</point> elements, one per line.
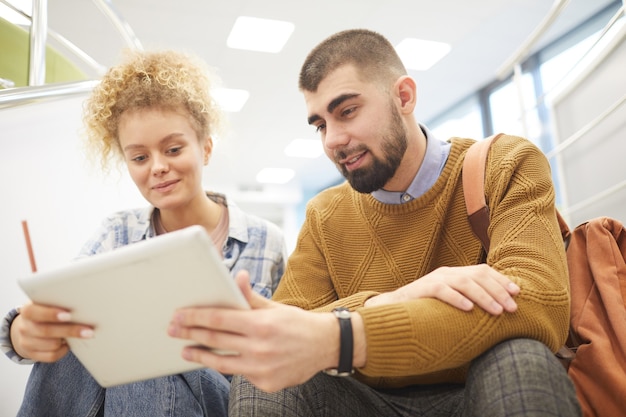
<point>346,343</point>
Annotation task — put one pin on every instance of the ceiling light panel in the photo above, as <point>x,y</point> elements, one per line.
<point>419,54</point>
<point>263,35</point>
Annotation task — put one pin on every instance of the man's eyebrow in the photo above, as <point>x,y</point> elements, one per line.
<point>313,119</point>
<point>336,102</point>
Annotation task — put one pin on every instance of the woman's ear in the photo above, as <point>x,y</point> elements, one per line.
<point>208,149</point>
<point>406,89</point>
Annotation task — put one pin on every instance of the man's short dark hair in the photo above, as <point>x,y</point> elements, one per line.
<point>371,53</point>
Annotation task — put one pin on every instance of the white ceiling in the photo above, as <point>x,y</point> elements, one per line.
<point>483,35</point>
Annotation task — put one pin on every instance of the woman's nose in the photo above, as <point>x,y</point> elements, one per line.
<point>159,166</point>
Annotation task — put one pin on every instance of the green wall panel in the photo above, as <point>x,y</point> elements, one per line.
<point>14,56</point>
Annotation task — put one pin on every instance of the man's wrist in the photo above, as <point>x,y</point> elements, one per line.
<point>346,344</point>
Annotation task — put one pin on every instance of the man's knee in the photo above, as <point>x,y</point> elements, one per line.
<point>521,374</point>
<point>529,352</point>
<point>247,400</point>
<point>515,362</point>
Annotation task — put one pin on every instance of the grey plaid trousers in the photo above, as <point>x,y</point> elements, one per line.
<point>518,377</point>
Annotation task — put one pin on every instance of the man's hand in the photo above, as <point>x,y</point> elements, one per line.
<point>278,345</point>
<point>38,332</point>
<point>461,287</point>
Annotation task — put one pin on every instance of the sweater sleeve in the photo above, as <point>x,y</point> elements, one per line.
<point>307,281</point>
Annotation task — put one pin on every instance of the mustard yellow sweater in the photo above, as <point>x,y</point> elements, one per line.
<point>352,247</point>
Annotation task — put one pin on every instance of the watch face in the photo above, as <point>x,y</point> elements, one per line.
<point>343,314</point>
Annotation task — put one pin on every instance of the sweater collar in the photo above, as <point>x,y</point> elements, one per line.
<point>434,160</point>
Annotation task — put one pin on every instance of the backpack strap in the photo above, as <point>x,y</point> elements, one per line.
<point>473,176</point>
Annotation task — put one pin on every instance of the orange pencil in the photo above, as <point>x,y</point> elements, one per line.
<point>31,255</point>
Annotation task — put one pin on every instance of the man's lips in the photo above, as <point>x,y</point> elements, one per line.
<point>353,161</point>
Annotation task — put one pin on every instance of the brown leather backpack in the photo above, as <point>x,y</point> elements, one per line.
<point>595,352</point>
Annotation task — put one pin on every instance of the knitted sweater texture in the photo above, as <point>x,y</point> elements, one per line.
<point>352,247</point>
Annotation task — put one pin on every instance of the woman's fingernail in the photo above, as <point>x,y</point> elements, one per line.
<point>86,333</point>
<point>64,316</point>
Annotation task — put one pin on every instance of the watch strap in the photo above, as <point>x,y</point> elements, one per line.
<point>346,344</point>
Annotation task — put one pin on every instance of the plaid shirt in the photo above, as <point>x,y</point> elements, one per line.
<point>253,244</point>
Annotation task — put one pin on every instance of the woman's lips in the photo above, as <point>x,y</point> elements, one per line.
<point>166,186</point>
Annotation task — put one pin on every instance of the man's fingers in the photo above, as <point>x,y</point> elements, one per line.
<point>502,290</point>
<point>254,299</point>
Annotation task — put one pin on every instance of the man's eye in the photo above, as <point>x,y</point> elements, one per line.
<point>320,127</point>
<point>348,111</point>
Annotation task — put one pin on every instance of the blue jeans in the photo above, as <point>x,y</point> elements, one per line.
<point>66,389</point>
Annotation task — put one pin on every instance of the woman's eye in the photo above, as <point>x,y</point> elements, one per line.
<point>174,150</point>
<point>139,158</point>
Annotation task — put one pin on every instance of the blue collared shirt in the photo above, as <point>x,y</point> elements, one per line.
<point>435,159</point>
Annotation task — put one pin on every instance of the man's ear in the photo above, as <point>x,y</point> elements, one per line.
<point>207,148</point>
<point>406,89</point>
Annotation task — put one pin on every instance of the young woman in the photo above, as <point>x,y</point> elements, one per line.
<point>153,112</point>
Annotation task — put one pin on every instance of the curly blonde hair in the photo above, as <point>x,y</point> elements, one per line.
<point>166,80</point>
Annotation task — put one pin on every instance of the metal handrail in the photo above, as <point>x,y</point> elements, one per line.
<point>586,128</point>
<point>526,47</point>
<point>106,7</point>
<point>82,55</point>
<point>22,95</point>
<point>593,199</point>
<point>37,52</point>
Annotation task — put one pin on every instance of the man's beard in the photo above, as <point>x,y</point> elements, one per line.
<point>375,176</point>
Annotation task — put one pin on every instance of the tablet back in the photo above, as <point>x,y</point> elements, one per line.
<point>130,295</point>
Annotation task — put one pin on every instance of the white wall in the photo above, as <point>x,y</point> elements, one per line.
<point>43,179</point>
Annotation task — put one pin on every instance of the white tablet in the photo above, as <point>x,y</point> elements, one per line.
<point>130,294</point>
